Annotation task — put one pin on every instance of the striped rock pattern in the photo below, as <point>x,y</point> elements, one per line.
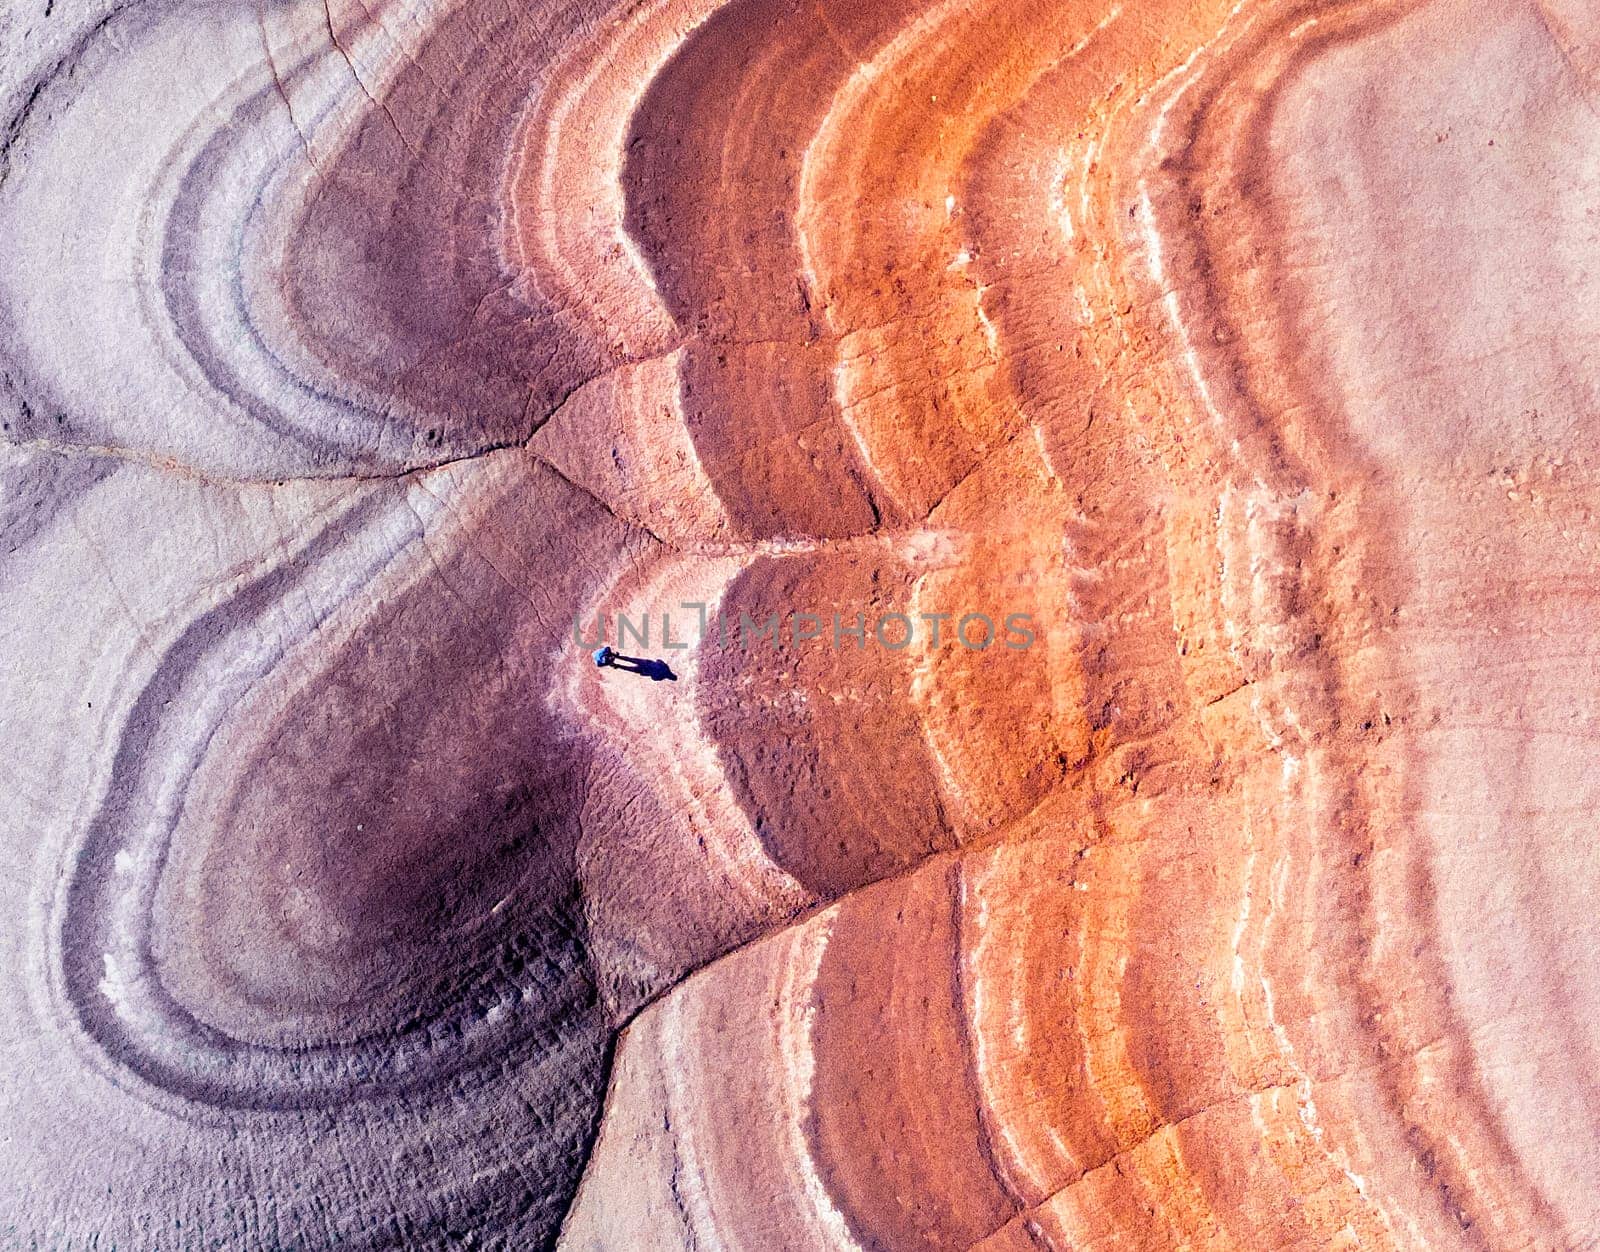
<point>354,352</point>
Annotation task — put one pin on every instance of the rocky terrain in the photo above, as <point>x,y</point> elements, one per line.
<point>362,363</point>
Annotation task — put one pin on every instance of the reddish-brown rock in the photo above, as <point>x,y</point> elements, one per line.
<point>1213,375</point>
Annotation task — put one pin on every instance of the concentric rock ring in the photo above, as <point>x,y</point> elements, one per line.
<point>355,357</point>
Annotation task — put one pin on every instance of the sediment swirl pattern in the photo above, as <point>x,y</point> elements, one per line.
<point>352,354</point>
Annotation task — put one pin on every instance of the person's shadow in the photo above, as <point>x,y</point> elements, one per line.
<point>645,667</point>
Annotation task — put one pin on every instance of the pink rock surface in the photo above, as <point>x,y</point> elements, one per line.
<point>352,355</point>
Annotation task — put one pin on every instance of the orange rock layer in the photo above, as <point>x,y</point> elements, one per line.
<point>360,359</point>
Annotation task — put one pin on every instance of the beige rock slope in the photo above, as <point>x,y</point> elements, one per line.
<point>352,354</point>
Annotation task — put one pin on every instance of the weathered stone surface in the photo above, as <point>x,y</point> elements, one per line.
<point>352,353</point>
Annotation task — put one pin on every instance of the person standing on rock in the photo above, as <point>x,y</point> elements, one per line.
<point>609,658</point>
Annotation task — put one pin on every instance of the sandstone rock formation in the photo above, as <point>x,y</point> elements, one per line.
<point>353,353</point>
